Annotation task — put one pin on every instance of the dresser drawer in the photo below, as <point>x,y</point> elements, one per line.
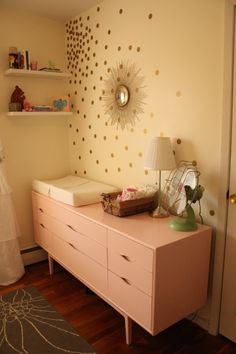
<point>132,272</point>
<point>130,250</point>
<point>79,241</point>
<point>43,236</point>
<point>76,222</point>
<point>41,205</point>
<point>132,301</point>
<point>80,265</point>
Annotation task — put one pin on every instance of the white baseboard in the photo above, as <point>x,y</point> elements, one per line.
<point>33,255</point>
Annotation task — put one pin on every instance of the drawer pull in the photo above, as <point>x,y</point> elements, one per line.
<point>71,227</point>
<point>125,257</point>
<point>42,226</point>
<point>71,244</point>
<point>126,281</point>
<point>40,209</point>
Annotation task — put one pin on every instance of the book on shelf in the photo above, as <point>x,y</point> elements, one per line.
<point>24,59</point>
<point>42,108</point>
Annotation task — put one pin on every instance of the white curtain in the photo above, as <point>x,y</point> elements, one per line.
<point>11,264</point>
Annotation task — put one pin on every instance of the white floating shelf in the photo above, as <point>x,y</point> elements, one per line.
<point>36,74</point>
<point>24,114</point>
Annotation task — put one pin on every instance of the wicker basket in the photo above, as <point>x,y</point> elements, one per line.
<point>127,207</point>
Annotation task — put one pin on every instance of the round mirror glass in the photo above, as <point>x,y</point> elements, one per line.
<point>122,96</point>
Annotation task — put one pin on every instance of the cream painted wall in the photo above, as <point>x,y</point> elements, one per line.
<point>178,45</point>
<point>34,147</point>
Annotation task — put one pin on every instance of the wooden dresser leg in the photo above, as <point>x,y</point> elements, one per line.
<point>128,330</point>
<point>50,264</point>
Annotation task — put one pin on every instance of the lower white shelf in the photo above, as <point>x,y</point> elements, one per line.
<point>23,114</point>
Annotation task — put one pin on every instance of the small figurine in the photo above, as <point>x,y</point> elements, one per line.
<point>17,96</point>
<point>17,100</point>
<point>27,107</point>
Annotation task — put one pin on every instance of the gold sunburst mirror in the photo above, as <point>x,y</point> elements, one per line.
<point>123,95</point>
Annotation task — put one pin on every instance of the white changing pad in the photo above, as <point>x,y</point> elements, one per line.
<point>73,190</point>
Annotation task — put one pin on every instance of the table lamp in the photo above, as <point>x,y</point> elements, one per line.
<point>159,157</point>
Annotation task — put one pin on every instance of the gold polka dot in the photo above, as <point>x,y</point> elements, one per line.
<point>162,134</point>
<point>194,163</point>
<point>121,66</point>
<point>118,169</point>
<point>130,164</point>
<point>120,11</point>
<point>97,162</point>
<point>98,116</point>
<point>157,72</point>
<point>118,79</point>
<point>138,49</point>
<point>119,48</point>
<point>126,147</point>
<point>130,47</point>
<point>178,141</point>
<point>85,172</point>
<point>104,138</point>
<point>150,16</point>
<point>137,90</point>
<point>211,212</point>
<point>116,137</point>
<point>112,155</point>
<point>95,135</point>
<point>106,46</point>
<point>140,154</point>
<point>131,130</point>
<point>90,151</point>
<point>151,114</point>
<point>178,93</point>
<point>109,31</point>
<point>146,172</point>
<point>106,124</point>
<point>105,62</point>
<point>106,170</point>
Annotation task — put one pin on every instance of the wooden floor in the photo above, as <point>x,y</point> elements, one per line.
<point>103,327</point>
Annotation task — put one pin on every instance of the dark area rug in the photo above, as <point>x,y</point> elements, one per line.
<point>30,325</point>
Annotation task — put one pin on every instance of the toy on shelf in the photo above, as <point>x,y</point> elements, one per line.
<point>17,100</point>
<point>27,107</point>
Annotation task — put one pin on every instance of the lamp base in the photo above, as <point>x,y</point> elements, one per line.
<point>159,212</point>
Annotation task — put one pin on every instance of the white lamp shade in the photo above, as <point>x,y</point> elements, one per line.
<point>160,155</point>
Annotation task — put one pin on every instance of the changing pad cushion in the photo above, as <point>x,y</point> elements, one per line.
<point>73,190</point>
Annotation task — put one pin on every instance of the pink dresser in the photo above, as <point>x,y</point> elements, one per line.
<point>149,273</point>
